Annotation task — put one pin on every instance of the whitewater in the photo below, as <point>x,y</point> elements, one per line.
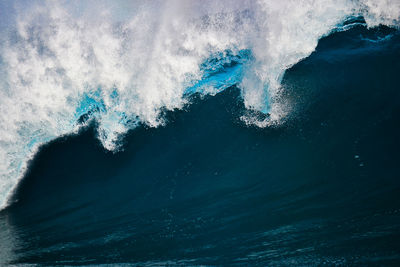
<point>64,64</point>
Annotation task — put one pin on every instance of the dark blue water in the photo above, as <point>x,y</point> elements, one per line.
<point>322,188</point>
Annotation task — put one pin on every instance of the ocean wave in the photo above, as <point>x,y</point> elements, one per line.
<point>66,63</point>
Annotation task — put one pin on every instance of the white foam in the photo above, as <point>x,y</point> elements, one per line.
<point>384,12</point>
<point>143,55</point>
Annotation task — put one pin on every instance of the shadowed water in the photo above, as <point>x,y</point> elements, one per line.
<point>205,189</point>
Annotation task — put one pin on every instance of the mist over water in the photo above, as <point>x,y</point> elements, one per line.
<point>199,132</point>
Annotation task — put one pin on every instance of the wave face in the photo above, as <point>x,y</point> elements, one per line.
<point>206,190</point>
<point>66,63</point>
<point>259,161</point>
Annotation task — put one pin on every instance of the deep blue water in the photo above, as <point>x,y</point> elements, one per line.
<point>322,188</point>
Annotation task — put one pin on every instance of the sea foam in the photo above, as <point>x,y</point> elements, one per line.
<point>63,63</point>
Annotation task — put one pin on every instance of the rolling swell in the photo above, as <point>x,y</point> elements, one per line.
<point>206,189</point>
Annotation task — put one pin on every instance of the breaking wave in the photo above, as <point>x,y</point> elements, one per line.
<point>63,64</point>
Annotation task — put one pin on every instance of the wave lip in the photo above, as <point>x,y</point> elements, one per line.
<point>60,67</point>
